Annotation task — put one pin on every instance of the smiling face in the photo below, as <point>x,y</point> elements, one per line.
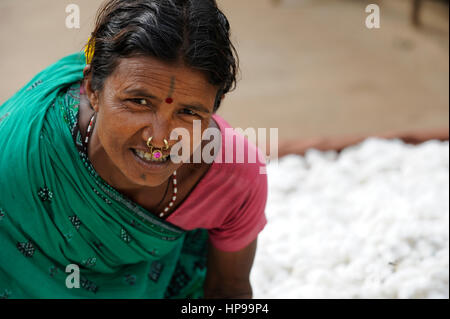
<point>145,98</point>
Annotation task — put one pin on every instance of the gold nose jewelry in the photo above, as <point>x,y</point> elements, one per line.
<point>156,154</point>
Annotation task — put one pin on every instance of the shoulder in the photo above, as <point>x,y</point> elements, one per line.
<point>243,181</point>
<point>238,155</point>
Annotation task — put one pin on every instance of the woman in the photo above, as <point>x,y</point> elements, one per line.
<point>91,182</point>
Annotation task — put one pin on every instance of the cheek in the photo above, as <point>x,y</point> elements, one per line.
<point>196,134</point>
<point>189,139</point>
<point>114,127</point>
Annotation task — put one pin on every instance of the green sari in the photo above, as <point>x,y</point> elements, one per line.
<point>55,210</point>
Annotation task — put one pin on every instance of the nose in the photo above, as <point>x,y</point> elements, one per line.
<point>158,130</point>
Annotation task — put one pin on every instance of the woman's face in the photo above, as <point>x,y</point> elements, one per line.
<point>144,98</point>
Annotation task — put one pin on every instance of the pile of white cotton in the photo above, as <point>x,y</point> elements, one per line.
<point>371,222</point>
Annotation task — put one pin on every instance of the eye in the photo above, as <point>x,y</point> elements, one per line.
<point>188,112</point>
<point>140,101</point>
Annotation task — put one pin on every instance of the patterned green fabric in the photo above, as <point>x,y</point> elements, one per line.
<point>55,210</point>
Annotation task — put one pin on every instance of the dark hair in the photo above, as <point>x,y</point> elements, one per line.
<point>195,31</point>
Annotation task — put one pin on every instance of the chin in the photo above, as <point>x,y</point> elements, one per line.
<point>148,174</point>
<point>148,179</point>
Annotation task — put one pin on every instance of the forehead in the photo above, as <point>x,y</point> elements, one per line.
<point>158,76</point>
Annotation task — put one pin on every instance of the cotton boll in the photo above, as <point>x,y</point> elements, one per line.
<point>316,159</point>
<point>371,223</point>
<point>401,250</point>
<point>438,295</point>
<point>300,268</point>
<point>414,288</point>
<point>280,290</point>
<point>318,277</point>
<point>282,276</point>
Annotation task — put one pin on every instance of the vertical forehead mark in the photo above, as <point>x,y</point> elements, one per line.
<point>169,99</point>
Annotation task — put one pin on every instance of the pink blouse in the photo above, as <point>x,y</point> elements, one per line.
<point>230,199</point>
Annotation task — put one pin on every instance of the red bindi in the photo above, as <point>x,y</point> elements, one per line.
<point>169,100</point>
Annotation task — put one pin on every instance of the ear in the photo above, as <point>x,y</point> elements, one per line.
<point>90,93</point>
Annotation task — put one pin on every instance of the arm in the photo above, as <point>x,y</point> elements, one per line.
<point>228,274</point>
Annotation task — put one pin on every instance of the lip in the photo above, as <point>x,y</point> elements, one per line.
<point>151,166</point>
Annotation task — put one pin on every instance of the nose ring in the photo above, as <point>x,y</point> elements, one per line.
<point>157,154</point>
<point>149,143</point>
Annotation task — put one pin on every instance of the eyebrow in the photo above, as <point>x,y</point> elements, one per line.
<point>140,93</point>
<point>195,106</point>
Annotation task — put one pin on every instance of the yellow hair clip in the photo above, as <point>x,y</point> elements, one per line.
<point>89,51</point>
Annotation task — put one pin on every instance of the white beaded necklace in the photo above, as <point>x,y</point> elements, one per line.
<point>174,175</point>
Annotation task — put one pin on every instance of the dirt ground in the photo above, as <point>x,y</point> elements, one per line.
<point>308,67</point>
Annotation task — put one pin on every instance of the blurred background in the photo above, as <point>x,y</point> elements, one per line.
<point>310,68</point>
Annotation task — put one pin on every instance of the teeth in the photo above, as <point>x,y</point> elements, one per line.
<point>148,157</point>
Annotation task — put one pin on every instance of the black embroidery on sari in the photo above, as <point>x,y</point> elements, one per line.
<point>88,285</point>
<point>27,248</point>
<point>76,222</point>
<point>179,280</point>
<point>130,279</point>
<point>155,270</point>
<point>53,271</point>
<point>34,85</point>
<point>45,194</point>
<point>125,236</point>
<point>89,263</point>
